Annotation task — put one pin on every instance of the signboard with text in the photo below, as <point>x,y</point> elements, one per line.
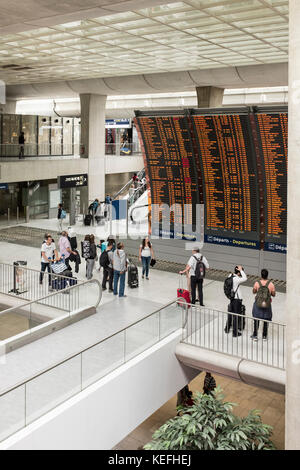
<point>72,181</point>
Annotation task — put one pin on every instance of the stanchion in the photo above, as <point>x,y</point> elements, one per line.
<point>15,289</point>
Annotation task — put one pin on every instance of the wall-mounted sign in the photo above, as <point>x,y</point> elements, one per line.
<point>72,181</point>
<point>4,186</point>
<point>118,123</point>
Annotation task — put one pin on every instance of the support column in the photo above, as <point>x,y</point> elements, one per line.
<point>292,313</point>
<point>210,97</point>
<point>9,107</point>
<point>93,142</point>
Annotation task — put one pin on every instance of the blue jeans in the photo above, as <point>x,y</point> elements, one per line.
<point>146,265</point>
<point>117,276</point>
<point>43,269</point>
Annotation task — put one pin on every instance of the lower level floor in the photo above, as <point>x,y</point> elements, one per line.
<point>271,405</point>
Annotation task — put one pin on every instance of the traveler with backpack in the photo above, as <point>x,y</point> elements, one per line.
<point>233,292</point>
<point>106,262</point>
<point>89,253</point>
<point>262,307</point>
<point>196,267</point>
<point>120,267</point>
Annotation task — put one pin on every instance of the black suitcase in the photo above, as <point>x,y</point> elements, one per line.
<point>88,220</point>
<point>133,276</point>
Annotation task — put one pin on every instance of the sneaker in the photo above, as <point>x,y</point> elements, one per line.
<point>122,296</point>
<point>265,338</point>
<point>254,338</point>
<point>143,277</point>
<point>238,334</point>
<point>110,290</point>
<point>104,288</point>
<point>147,278</point>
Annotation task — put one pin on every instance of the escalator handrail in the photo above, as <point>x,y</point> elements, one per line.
<point>128,184</point>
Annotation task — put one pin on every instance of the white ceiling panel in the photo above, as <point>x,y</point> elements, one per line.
<point>176,36</point>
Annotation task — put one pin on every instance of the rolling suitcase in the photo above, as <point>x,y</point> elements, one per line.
<point>88,220</point>
<point>133,275</point>
<point>183,295</point>
<point>59,283</point>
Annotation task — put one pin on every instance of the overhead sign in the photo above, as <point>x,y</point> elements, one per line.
<point>118,123</point>
<point>3,186</point>
<point>72,181</point>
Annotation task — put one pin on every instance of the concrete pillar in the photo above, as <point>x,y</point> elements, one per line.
<point>9,107</point>
<point>93,142</point>
<point>292,416</point>
<point>210,97</point>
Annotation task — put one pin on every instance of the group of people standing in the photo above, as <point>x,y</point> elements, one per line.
<point>263,289</point>
<point>66,252</point>
<point>114,262</point>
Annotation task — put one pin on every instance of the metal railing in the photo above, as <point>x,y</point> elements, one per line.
<point>231,334</point>
<point>126,149</point>
<point>25,283</point>
<point>55,306</point>
<point>40,394</point>
<point>141,174</point>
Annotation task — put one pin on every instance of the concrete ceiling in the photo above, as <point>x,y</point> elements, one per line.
<point>191,35</point>
<point>27,15</point>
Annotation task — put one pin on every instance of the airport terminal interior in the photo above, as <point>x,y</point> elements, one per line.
<point>149,225</point>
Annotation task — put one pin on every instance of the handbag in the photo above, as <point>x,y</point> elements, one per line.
<point>152,263</point>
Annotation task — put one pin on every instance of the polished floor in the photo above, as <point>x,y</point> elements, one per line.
<point>246,397</point>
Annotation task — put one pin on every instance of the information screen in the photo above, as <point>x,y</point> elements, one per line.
<point>228,164</point>
<point>171,169</point>
<point>273,136</point>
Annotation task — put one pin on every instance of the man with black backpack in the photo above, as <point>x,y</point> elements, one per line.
<point>262,307</point>
<point>197,266</point>
<point>106,262</point>
<point>233,292</point>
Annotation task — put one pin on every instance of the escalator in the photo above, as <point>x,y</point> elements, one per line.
<point>132,192</point>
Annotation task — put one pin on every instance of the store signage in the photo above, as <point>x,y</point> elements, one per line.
<point>4,186</point>
<point>72,181</point>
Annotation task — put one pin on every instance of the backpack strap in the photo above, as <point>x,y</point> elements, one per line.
<point>268,283</point>
<point>259,283</point>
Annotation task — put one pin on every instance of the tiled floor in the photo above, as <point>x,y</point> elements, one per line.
<point>246,397</point>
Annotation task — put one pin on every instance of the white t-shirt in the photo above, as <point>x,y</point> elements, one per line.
<point>146,252</point>
<point>192,263</point>
<point>237,280</point>
<point>48,250</point>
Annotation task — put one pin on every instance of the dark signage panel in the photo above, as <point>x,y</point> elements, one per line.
<point>234,161</point>
<point>72,181</point>
<point>170,166</point>
<point>273,141</point>
<point>228,164</point>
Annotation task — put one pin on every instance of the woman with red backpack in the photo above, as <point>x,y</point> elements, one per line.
<point>262,307</point>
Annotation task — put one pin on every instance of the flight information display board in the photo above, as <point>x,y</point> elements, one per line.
<point>170,167</point>
<point>228,163</point>
<point>273,141</point>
